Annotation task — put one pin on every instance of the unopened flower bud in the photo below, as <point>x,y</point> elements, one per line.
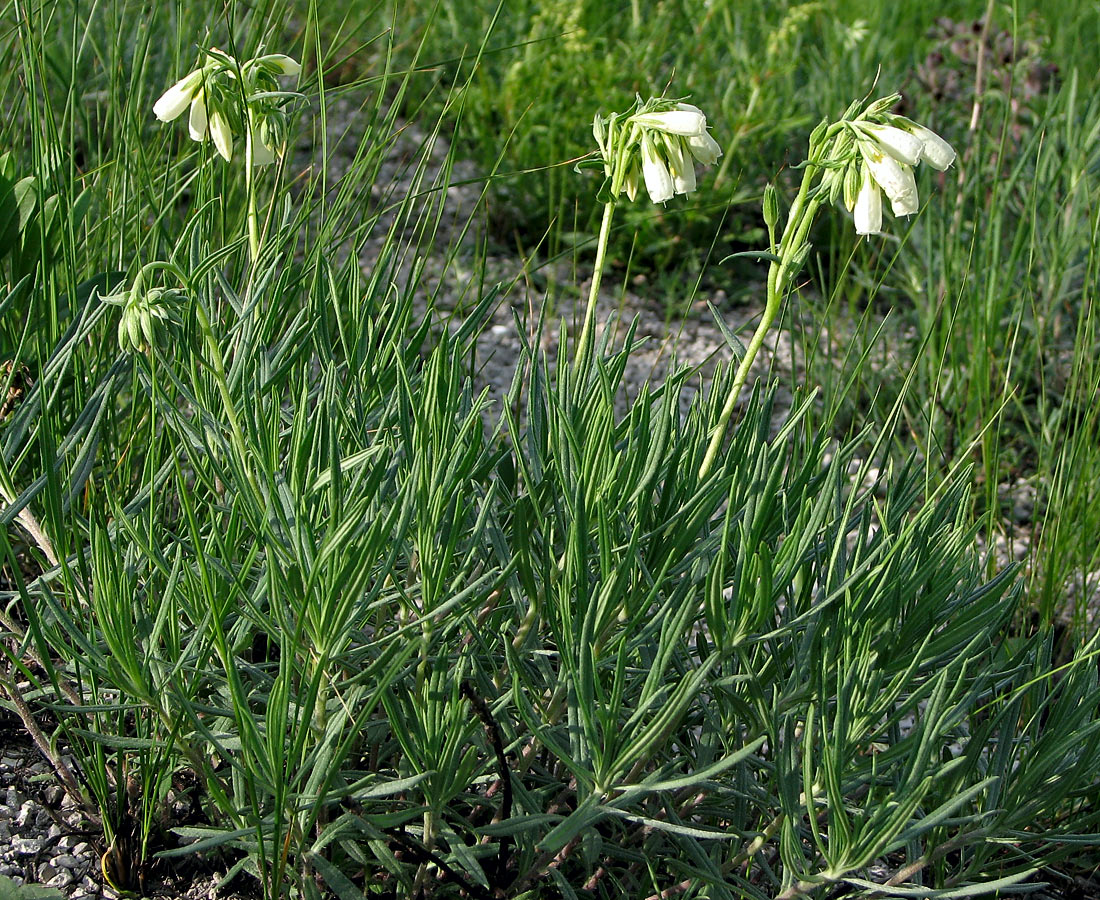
<point>771,206</point>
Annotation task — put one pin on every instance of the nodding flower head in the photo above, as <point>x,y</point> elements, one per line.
<point>225,98</point>
<point>658,143</point>
<point>143,311</point>
<point>875,153</point>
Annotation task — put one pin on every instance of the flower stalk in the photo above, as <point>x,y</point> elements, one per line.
<point>789,257</point>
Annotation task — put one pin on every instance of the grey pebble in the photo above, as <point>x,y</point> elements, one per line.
<point>62,879</point>
<point>25,814</point>
<point>26,846</point>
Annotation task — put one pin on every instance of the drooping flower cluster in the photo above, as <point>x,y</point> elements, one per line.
<point>144,309</point>
<point>875,154</point>
<point>227,99</point>
<point>657,144</point>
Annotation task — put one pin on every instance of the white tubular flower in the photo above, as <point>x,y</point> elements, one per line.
<point>197,121</point>
<point>895,178</point>
<point>903,146</point>
<point>684,121</point>
<point>178,97</point>
<point>867,212</point>
<point>222,135</point>
<point>658,181</point>
<point>681,166</point>
<point>905,203</point>
<point>934,150</point>
<point>280,63</point>
<point>704,148</point>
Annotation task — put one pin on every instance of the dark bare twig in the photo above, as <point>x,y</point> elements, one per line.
<point>423,855</point>
<point>63,772</point>
<point>481,710</point>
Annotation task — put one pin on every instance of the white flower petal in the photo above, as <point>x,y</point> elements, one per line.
<point>685,122</point>
<point>681,166</point>
<point>658,181</point>
<point>905,205</point>
<point>903,146</point>
<point>934,150</point>
<point>684,182</point>
<point>895,178</point>
<point>867,212</point>
<point>178,97</point>
<point>197,123</point>
<point>704,148</point>
<point>223,137</point>
<point>283,63</point>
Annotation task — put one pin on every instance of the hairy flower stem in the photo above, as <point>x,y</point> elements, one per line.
<point>791,255</point>
<point>584,343</point>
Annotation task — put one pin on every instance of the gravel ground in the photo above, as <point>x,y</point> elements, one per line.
<point>45,839</point>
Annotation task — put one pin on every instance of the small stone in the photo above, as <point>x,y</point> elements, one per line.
<point>53,795</point>
<point>25,846</point>
<point>82,849</point>
<point>25,814</point>
<point>64,861</point>
<point>9,762</point>
<point>54,832</point>
<point>61,880</point>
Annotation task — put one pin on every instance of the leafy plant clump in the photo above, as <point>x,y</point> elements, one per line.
<point>304,601</point>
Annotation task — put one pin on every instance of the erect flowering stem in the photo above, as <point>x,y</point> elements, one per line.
<point>584,343</point>
<point>217,364</point>
<point>250,187</point>
<point>790,256</point>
